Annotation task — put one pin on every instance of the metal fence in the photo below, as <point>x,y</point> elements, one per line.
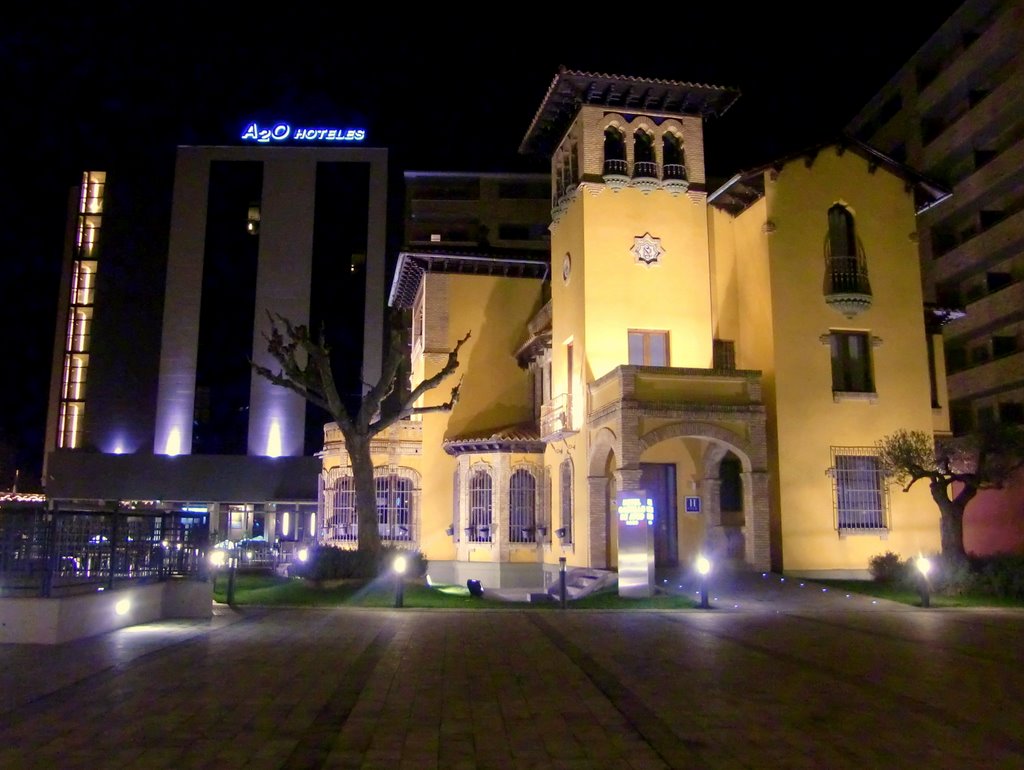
<point>56,553</point>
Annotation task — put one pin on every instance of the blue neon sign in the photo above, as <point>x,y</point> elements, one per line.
<point>283,132</point>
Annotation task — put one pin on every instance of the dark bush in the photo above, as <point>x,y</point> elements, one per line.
<point>332,563</point>
<point>1001,575</point>
<point>888,568</point>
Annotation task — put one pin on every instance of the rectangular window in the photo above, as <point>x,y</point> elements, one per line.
<point>648,348</point>
<point>724,355</point>
<point>860,494</point>
<point>851,363</point>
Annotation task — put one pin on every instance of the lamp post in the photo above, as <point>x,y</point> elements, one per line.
<point>398,566</point>
<point>703,567</point>
<point>924,566</point>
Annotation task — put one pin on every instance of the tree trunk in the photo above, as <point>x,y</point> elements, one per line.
<point>951,522</point>
<point>366,491</point>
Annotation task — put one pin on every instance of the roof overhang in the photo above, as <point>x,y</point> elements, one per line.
<point>570,90</point>
<point>413,264</point>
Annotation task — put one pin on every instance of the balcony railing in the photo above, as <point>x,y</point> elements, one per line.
<point>645,175</point>
<point>556,418</point>
<point>673,178</point>
<point>846,288</point>
<point>616,173</point>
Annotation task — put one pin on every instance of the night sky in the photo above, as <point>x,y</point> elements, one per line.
<point>84,87</point>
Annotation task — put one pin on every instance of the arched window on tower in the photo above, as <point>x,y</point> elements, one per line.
<point>614,153</point>
<point>673,157</point>
<point>644,164</point>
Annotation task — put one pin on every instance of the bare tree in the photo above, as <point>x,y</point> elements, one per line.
<point>305,368</point>
<point>955,469</point>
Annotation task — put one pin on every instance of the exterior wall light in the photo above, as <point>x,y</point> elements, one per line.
<point>122,607</point>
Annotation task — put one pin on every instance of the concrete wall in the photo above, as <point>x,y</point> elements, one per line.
<point>54,621</point>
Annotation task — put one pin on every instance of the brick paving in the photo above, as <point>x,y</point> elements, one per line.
<point>777,675</point>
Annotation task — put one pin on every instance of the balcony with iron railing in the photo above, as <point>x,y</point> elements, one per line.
<point>556,421</point>
<point>846,286</point>
<point>645,175</point>
<point>616,173</point>
<point>673,178</point>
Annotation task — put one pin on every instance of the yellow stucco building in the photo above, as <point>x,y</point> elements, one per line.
<point>735,353</point>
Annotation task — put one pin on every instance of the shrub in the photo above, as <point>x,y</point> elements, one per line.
<point>1001,575</point>
<point>952,576</point>
<point>332,563</point>
<point>888,568</point>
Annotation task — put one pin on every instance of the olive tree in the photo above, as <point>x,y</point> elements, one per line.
<point>954,469</point>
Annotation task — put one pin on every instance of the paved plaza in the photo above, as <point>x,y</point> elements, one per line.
<point>776,675</point>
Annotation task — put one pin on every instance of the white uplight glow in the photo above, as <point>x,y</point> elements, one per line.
<point>173,446</point>
<point>274,440</point>
<point>122,607</point>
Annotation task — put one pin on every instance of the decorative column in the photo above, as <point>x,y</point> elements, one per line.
<point>757,529</point>
<point>716,545</point>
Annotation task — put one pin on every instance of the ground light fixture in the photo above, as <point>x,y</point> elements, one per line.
<point>704,568</point>
<point>924,566</point>
<point>398,566</point>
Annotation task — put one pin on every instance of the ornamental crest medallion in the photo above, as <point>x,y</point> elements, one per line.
<point>647,249</point>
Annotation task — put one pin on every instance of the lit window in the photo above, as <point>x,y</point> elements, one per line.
<point>851,362</point>
<point>343,524</point>
<point>522,518</point>
<point>648,348</point>
<point>860,494</point>
<point>394,507</point>
<point>480,507</point>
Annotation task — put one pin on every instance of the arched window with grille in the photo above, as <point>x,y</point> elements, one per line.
<point>394,507</point>
<point>522,508</point>
<point>565,499</point>
<point>344,523</point>
<point>480,507</point>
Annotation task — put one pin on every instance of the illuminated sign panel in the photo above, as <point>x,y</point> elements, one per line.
<point>636,543</point>
<point>635,510</point>
<point>285,132</point>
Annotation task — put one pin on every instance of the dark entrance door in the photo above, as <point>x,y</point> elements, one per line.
<point>659,479</point>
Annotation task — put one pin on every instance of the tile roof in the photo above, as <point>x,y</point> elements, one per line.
<point>571,89</point>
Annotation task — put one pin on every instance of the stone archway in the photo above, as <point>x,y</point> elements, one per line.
<point>752,455</point>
